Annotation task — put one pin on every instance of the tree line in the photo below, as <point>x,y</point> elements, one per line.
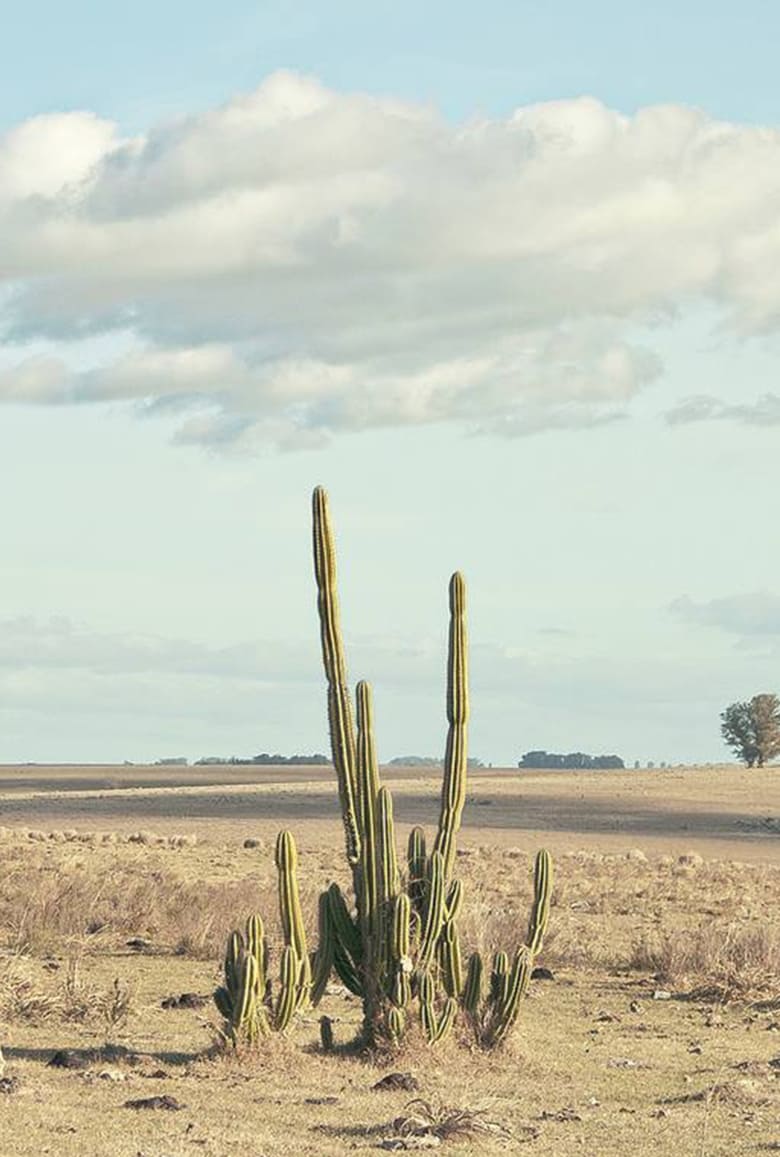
<point>574,759</point>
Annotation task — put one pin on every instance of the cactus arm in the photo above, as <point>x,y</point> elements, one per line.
<point>233,954</point>
<point>290,908</point>
<point>387,860</point>
<point>368,787</point>
<point>434,912</point>
<point>416,860</point>
<point>244,1012</point>
<point>346,933</point>
<point>499,978</point>
<point>540,912</point>
<point>472,993</point>
<point>446,1019</point>
<point>452,967</point>
<point>345,970</point>
<point>396,1023</point>
<point>340,718</point>
<point>256,947</point>
<point>224,1003</point>
<point>517,987</point>
<point>453,794</point>
<point>288,989</point>
<point>322,964</point>
<point>454,901</point>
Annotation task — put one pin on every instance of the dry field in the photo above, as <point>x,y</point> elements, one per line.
<point>659,1032</point>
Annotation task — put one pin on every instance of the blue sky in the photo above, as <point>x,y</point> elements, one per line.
<point>502,278</point>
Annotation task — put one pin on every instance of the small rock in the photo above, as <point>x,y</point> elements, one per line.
<point>186,1000</point>
<point>115,1075</point>
<point>9,1086</point>
<point>607,1018</point>
<point>65,1059</point>
<point>542,974</point>
<point>426,1141</point>
<point>625,1063</point>
<point>321,1100</point>
<point>690,860</point>
<point>635,1006</point>
<point>406,1081</point>
<point>636,855</point>
<point>662,994</point>
<point>252,842</point>
<point>163,1101</point>
<point>139,944</point>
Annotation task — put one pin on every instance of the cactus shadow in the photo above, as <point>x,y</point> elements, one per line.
<point>108,1054</point>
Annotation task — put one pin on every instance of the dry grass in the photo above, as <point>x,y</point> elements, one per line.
<point>596,1066</point>
<point>36,993</point>
<point>732,961</point>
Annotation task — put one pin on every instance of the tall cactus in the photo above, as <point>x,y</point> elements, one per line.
<point>397,941</point>
<point>453,791</point>
<point>340,718</point>
<point>395,938</point>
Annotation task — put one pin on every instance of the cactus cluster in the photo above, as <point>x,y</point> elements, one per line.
<point>395,943</point>
<point>402,941</point>
<point>246,999</point>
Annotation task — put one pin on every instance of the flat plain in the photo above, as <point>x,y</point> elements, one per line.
<point>659,1031</point>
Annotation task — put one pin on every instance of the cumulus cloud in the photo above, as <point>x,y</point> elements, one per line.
<point>300,262</point>
<point>755,614</point>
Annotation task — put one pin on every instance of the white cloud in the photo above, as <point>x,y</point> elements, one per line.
<point>754,614</point>
<point>764,411</point>
<point>301,262</point>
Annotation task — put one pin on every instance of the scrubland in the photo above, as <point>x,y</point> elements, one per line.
<point>657,1032</point>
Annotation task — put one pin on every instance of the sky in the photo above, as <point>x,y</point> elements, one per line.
<point>502,277</point>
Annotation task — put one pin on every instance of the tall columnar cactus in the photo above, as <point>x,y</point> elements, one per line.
<point>246,1000</point>
<point>396,942</point>
<point>405,942</point>
<point>396,936</point>
<point>340,717</point>
<point>453,791</point>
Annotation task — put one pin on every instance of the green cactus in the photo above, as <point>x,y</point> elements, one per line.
<point>494,1017</point>
<point>404,940</point>
<point>340,719</point>
<point>397,941</point>
<point>244,1000</point>
<point>472,992</point>
<point>453,793</point>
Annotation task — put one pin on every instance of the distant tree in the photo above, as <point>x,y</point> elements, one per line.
<point>752,729</point>
<point>575,759</point>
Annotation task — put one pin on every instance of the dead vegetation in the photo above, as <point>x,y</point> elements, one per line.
<point>99,931</point>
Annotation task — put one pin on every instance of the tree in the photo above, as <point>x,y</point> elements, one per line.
<point>752,729</point>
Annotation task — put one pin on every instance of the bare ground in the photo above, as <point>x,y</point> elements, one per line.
<point>667,881</point>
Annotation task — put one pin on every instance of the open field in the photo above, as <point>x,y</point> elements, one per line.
<point>666,882</point>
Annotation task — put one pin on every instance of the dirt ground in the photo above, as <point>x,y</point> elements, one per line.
<point>658,1033</point>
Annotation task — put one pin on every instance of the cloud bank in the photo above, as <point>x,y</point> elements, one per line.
<point>300,263</point>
